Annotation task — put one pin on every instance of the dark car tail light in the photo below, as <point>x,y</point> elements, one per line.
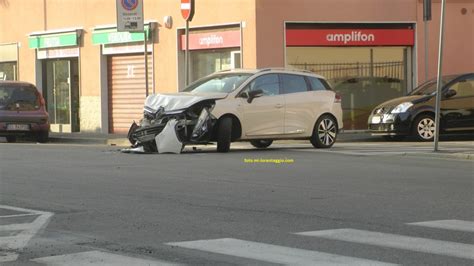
<point>338,98</point>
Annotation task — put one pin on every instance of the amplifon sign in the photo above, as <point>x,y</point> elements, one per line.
<point>212,40</point>
<point>350,37</point>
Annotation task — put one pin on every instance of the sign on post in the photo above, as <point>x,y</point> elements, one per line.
<point>129,15</point>
<point>187,9</point>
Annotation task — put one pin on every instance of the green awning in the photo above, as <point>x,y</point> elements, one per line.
<point>111,36</point>
<point>38,41</point>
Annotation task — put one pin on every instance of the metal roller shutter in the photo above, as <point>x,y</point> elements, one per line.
<point>126,81</point>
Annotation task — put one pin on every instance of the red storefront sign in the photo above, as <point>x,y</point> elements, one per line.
<point>350,37</point>
<point>212,40</point>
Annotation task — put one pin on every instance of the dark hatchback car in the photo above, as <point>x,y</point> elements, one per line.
<point>414,114</point>
<point>22,112</point>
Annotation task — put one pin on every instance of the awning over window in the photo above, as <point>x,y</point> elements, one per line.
<point>52,39</point>
<point>111,36</point>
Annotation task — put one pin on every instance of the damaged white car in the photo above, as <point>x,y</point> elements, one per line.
<point>241,105</point>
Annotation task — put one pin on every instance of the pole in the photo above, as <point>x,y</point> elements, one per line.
<point>426,50</point>
<point>146,63</point>
<point>186,56</point>
<point>439,85</point>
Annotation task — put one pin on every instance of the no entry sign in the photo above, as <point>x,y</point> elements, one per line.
<point>187,9</point>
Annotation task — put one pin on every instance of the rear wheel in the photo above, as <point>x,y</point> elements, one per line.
<point>42,137</point>
<point>11,139</point>
<point>224,134</point>
<point>424,128</point>
<point>325,132</point>
<point>261,143</point>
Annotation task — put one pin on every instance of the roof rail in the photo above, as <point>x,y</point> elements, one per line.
<point>285,69</point>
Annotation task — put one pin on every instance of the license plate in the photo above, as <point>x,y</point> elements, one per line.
<point>20,127</point>
<point>376,119</point>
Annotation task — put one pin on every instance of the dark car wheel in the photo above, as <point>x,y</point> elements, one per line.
<point>42,137</point>
<point>394,138</point>
<point>424,128</point>
<point>224,134</point>
<point>261,143</point>
<point>11,139</point>
<point>325,132</point>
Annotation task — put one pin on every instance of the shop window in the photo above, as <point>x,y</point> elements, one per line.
<point>8,71</point>
<point>205,62</point>
<point>363,76</point>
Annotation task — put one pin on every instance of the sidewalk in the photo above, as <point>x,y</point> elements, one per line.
<point>447,150</point>
<point>121,139</point>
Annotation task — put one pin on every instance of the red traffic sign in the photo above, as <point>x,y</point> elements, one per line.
<point>187,9</point>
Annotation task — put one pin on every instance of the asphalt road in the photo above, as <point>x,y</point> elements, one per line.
<point>353,204</point>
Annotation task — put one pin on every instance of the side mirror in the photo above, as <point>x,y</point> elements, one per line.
<point>254,94</point>
<point>244,95</point>
<point>450,93</point>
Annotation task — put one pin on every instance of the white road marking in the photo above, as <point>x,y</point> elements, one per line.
<point>18,215</point>
<point>272,253</point>
<point>425,245</point>
<point>27,231</point>
<point>98,258</point>
<point>457,225</point>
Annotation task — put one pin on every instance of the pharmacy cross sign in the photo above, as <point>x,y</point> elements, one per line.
<point>187,9</point>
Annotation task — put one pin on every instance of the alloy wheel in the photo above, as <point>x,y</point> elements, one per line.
<point>426,128</point>
<point>327,131</point>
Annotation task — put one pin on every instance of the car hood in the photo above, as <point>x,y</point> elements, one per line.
<point>410,98</point>
<point>178,101</point>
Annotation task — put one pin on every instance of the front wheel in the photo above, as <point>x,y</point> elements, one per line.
<point>424,128</point>
<point>261,143</point>
<point>224,134</point>
<point>325,132</point>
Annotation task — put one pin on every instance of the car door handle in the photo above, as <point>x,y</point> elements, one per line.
<point>278,105</point>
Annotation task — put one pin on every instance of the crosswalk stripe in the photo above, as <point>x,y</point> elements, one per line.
<point>397,241</point>
<point>98,258</point>
<point>457,225</point>
<point>272,253</point>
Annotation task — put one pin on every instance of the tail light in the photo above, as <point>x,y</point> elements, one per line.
<point>40,99</point>
<point>338,98</point>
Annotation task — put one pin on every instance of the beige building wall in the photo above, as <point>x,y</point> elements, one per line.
<point>459,38</point>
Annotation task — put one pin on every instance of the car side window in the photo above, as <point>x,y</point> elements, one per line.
<point>293,83</point>
<point>269,84</point>
<point>464,88</point>
<point>316,84</point>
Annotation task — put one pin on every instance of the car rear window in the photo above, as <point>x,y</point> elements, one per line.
<point>19,98</point>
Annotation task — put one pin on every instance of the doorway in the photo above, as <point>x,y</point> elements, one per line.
<point>61,83</point>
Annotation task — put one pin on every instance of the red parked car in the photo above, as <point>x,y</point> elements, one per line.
<point>22,112</point>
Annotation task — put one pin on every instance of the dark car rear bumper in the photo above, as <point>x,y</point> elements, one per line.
<point>34,128</point>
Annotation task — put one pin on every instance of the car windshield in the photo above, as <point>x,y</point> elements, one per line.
<point>18,97</point>
<point>429,87</point>
<point>222,83</point>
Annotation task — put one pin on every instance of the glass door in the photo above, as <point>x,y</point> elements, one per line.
<point>58,86</point>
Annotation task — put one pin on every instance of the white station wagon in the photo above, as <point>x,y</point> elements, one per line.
<point>258,106</point>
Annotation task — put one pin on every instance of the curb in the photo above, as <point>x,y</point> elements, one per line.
<point>462,156</point>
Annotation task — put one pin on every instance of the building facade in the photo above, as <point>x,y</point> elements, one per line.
<point>93,77</point>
